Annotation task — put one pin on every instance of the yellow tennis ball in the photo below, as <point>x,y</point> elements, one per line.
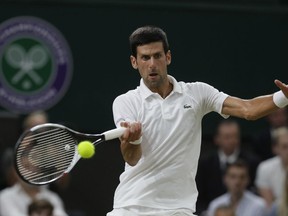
<point>86,149</point>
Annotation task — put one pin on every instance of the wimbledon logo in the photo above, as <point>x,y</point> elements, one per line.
<point>35,64</point>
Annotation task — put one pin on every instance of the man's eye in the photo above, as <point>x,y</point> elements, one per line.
<point>157,56</point>
<point>145,58</point>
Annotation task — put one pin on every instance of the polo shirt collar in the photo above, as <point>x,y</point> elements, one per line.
<point>146,92</point>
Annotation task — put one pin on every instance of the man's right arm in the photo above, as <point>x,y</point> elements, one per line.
<point>130,148</point>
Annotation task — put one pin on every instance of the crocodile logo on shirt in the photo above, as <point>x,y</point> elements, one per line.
<point>187,106</point>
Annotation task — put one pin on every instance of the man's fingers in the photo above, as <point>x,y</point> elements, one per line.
<point>282,86</point>
<point>124,124</point>
<point>133,132</point>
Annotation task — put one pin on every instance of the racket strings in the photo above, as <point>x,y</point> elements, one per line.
<point>43,134</point>
<point>45,155</point>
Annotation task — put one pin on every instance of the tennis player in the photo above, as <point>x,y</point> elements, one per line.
<point>161,145</point>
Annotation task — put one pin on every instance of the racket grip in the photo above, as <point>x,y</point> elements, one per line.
<point>114,133</point>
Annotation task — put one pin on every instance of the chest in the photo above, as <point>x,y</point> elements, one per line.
<point>173,108</point>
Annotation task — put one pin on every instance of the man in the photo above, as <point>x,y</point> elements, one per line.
<point>228,142</point>
<point>41,117</point>
<point>159,177</point>
<point>14,200</point>
<point>245,203</point>
<point>271,173</point>
<point>35,118</point>
<point>263,144</point>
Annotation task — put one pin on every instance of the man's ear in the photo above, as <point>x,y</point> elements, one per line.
<point>168,57</point>
<point>133,62</point>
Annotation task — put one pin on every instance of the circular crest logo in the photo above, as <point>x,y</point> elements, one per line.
<point>35,64</point>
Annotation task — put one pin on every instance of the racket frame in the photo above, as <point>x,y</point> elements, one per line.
<point>77,137</point>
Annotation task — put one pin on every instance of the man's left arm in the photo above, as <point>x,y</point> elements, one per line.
<point>258,107</point>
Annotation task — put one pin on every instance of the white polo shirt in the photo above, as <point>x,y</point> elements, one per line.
<point>14,201</point>
<point>249,205</point>
<point>164,178</point>
<point>270,174</point>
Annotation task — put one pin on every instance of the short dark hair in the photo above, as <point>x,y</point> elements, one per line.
<point>227,122</point>
<point>240,163</point>
<point>145,35</point>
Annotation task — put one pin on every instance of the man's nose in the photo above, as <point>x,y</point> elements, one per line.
<point>152,62</point>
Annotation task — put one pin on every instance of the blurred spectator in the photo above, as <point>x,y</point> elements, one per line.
<point>212,166</point>
<point>271,172</point>
<point>263,145</point>
<point>244,202</point>
<point>41,117</point>
<point>7,167</point>
<point>14,200</point>
<point>40,208</point>
<point>224,211</point>
<point>280,206</point>
<point>35,118</point>
<point>27,193</point>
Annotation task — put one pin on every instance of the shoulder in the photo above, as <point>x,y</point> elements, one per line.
<point>214,204</point>
<point>13,190</point>
<point>255,203</point>
<point>195,85</point>
<point>253,198</point>
<point>270,163</point>
<point>223,199</point>
<point>128,96</point>
<point>203,92</point>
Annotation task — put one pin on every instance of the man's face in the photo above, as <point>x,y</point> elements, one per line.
<point>228,138</point>
<point>236,179</point>
<point>152,62</point>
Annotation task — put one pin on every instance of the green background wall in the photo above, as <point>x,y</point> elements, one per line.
<point>239,50</point>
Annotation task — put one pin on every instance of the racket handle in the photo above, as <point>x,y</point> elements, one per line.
<point>114,133</point>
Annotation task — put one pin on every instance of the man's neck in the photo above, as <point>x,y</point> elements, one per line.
<point>165,91</point>
<point>235,199</point>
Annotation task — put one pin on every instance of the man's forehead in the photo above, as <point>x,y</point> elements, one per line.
<point>283,141</point>
<point>151,48</point>
<point>236,170</point>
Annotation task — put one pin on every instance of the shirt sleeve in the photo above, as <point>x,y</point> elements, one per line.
<point>262,177</point>
<point>213,99</point>
<point>123,110</point>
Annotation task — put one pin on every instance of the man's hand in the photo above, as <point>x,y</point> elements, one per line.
<point>131,152</point>
<point>133,133</point>
<point>282,86</point>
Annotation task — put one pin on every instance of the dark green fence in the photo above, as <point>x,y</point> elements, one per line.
<point>239,50</point>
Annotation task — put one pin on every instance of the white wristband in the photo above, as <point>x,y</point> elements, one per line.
<point>280,99</point>
<point>137,142</point>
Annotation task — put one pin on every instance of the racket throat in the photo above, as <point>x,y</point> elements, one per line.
<point>95,139</point>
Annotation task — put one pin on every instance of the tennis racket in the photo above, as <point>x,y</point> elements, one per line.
<point>46,152</point>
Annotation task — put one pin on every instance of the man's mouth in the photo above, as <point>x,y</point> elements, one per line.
<point>153,74</point>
